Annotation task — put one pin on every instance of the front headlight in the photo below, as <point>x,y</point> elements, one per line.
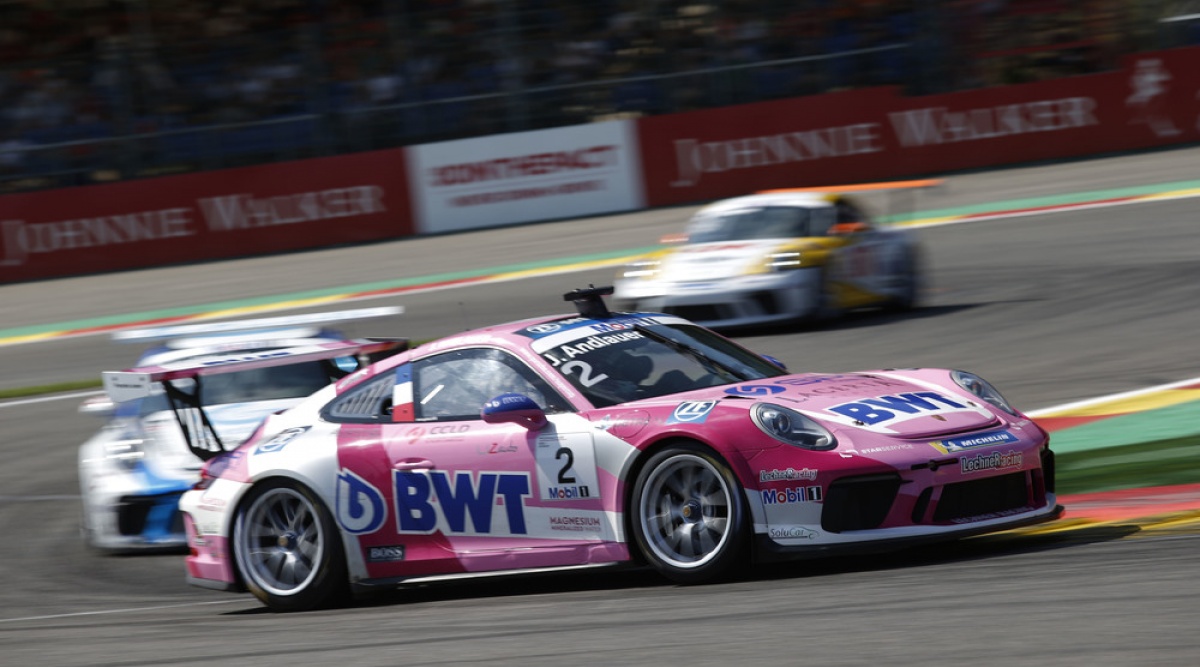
<point>983,389</point>
<point>791,427</point>
<point>641,269</point>
<point>783,261</point>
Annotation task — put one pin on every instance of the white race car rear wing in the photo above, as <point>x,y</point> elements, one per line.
<point>202,439</point>
<point>294,326</point>
<point>136,382</point>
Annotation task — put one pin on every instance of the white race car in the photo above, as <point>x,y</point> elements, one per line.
<point>133,471</point>
<point>776,257</point>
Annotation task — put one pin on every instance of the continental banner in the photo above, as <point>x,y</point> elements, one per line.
<point>506,179</point>
<point>877,134</point>
<point>213,215</point>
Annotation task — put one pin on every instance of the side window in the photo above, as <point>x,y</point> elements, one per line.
<point>455,385</point>
<point>370,401</point>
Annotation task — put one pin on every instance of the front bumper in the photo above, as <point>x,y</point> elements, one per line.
<point>741,301</point>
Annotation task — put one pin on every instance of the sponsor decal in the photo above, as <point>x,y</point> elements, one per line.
<point>414,434</point>
<point>23,239</point>
<point>885,448</point>
<point>992,461</point>
<point>694,158</point>
<point>791,533</point>
<point>280,440</point>
<point>754,390</point>
<point>871,411</point>
<point>580,492</point>
<point>462,502</point>
<point>968,442</point>
<point>387,554</point>
<point>789,475</point>
<point>835,384</point>
<point>622,324</point>
<point>570,351</point>
<point>524,166</point>
<point>243,211</point>
<point>691,412</point>
<point>588,524</point>
<point>940,125</point>
<point>496,448</point>
<point>541,329</point>
<point>788,496</point>
<point>567,467</point>
<point>359,505</point>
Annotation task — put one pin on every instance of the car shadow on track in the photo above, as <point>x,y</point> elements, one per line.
<point>970,549</point>
<point>644,578</point>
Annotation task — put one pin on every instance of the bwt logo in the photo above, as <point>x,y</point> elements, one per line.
<point>755,390</point>
<point>427,499</point>
<point>360,507</point>
<point>872,411</point>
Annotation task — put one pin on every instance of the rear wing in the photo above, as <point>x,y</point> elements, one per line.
<point>900,193</point>
<point>198,431</point>
<point>284,326</point>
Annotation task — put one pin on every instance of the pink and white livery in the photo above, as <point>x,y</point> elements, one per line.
<point>593,440</point>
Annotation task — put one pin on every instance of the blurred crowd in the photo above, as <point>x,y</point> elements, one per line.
<point>130,83</point>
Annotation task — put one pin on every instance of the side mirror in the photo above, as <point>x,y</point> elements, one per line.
<point>514,409</point>
<point>775,361</point>
<point>100,406</point>
<point>847,228</point>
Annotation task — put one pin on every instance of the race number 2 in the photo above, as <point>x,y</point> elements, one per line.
<point>566,467</point>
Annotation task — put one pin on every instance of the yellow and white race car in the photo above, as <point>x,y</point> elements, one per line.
<point>778,256</point>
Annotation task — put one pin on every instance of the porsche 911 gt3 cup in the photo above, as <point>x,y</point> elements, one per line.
<point>134,469</point>
<point>777,257</point>
<point>597,439</point>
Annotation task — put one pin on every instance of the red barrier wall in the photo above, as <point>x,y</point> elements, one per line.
<point>211,215</point>
<point>875,134</point>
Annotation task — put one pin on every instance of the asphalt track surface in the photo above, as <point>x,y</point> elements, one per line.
<point>1052,308</point>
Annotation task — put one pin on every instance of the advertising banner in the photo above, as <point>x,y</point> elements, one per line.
<point>212,215</point>
<point>877,134</point>
<point>525,177</point>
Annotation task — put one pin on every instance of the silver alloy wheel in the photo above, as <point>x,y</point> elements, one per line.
<point>279,542</point>
<point>685,511</point>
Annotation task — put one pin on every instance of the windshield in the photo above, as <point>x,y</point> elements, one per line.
<point>653,360</point>
<point>767,222</point>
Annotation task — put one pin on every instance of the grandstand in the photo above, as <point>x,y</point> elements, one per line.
<point>95,91</point>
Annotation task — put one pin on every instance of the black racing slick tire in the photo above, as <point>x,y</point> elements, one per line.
<point>689,515</point>
<point>908,281</point>
<point>288,549</point>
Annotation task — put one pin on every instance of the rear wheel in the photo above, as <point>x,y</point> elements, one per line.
<point>908,283</point>
<point>824,302</point>
<point>287,548</point>
<point>689,515</point>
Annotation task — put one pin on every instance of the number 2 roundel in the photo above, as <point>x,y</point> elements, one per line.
<point>566,467</point>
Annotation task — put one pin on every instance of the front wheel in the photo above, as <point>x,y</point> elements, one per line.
<point>690,515</point>
<point>287,548</point>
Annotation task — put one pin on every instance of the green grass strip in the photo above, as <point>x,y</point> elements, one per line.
<point>1157,463</point>
<point>1037,202</point>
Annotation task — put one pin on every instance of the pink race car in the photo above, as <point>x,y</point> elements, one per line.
<point>593,440</point>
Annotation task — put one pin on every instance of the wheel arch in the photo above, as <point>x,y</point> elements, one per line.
<point>646,453</point>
